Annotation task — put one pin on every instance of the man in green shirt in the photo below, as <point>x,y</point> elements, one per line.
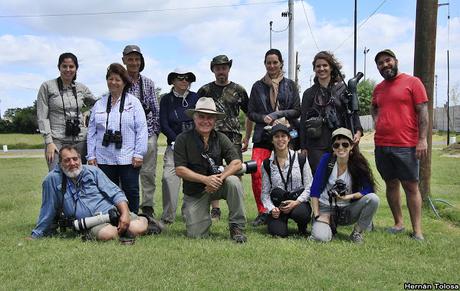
<point>198,156</point>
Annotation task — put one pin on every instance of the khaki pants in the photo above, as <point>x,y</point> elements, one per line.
<point>196,208</point>
<point>148,173</point>
<point>170,186</point>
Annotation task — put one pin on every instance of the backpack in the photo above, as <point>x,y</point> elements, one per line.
<point>300,157</point>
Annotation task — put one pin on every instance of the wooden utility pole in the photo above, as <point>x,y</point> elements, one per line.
<point>424,62</point>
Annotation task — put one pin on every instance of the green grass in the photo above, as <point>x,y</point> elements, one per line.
<point>172,261</point>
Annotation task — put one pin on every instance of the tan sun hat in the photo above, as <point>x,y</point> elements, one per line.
<point>205,105</point>
<point>342,131</point>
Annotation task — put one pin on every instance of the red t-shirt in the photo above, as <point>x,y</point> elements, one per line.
<point>395,99</point>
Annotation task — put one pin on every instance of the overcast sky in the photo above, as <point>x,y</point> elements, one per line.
<point>189,33</point>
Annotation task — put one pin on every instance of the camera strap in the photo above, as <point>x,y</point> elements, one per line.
<point>61,92</point>
<point>302,159</point>
<point>285,181</point>
<point>109,108</point>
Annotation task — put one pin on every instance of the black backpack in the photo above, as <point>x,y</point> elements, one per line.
<point>301,158</point>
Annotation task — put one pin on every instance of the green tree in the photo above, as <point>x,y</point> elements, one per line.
<point>365,89</point>
<point>21,120</point>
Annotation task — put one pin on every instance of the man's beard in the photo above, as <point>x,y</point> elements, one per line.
<point>72,173</point>
<point>388,75</point>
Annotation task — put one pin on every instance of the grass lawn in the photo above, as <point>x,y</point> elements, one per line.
<point>172,261</point>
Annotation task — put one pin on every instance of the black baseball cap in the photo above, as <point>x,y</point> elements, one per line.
<point>386,52</point>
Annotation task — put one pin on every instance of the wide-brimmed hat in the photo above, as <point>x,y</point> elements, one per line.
<point>181,72</point>
<point>342,131</point>
<point>132,48</point>
<point>205,105</point>
<point>385,52</point>
<point>221,60</point>
<point>279,127</point>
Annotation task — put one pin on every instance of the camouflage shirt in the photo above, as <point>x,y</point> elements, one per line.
<point>229,99</point>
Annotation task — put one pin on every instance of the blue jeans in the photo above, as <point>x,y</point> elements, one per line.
<point>128,177</point>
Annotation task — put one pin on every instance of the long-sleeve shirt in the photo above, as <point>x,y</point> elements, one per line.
<point>93,193</point>
<point>321,184</point>
<point>173,119</point>
<point>294,182</point>
<point>150,99</point>
<point>50,110</point>
<point>133,131</point>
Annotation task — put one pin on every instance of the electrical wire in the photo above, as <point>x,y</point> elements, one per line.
<point>360,25</point>
<point>309,27</point>
<point>137,11</point>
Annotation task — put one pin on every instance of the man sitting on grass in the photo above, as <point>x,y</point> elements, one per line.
<point>80,191</point>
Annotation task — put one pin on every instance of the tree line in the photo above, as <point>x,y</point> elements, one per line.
<point>24,120</point>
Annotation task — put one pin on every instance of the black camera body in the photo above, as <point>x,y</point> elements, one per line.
<point>72,127</point>
<point>339,189</point>
<point>279,195</point>
<point>83,224</point>
<point>332,121</point>
<point>111,136</point>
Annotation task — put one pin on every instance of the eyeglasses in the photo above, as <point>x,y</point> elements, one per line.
<point>344,145</point>
<point>182,78</point>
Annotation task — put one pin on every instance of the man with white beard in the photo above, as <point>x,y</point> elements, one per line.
<point>77,191</point>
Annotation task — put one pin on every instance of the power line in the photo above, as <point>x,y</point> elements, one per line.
<point>372,14</point>
<point>137,11</point>
<point>309,27</point>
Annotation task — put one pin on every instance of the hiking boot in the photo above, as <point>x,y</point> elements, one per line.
<point>215,214</point>
<point>148,210</point>
<point>154,226</point>
<point>261,219</point>
<point>236,234</point>
<point>356,237</point>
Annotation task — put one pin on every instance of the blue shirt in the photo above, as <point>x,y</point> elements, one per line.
<point>93,193</point>
<point>133,131</point>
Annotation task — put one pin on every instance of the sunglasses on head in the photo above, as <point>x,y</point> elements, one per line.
<point>336,145</point>
<point>182,78</point>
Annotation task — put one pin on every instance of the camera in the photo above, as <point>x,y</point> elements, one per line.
<point>331,119</point>
<point>279,195</point>
<point>72,127</point>
<point>247,167</point>
<point>111,136</point>
<point>86,223</point>
<point>339,189</point>
<point>146,108</point>
<point>187,125</point>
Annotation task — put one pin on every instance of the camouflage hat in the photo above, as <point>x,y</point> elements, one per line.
<point>221,60</point>
<point>386,52</point>
<point>134,49</point>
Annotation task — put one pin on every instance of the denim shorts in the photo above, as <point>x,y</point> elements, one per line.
<point>397,163</point>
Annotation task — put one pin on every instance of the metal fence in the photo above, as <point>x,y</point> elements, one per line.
<point>439,119</point>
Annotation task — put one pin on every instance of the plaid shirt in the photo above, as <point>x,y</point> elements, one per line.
<point>150,99</point>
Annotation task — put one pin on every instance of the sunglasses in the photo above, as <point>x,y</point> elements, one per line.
<point>344,145</point>
<point>182,78</point>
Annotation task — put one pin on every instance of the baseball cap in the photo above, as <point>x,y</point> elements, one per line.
<point>342,131</point>
<point>386,52</point>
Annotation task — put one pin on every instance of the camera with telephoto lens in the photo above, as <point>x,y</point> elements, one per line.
<point>86,223</point>
<point>279,195</point>
<point>72,127</point>
<point>339,189</point>
<point>111,136</point>
<point>247,167</point>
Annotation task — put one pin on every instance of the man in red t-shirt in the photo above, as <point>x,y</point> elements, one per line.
<point>400,112</point>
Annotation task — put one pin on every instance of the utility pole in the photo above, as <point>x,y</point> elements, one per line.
<point>355,37</point>
<point>448,69</point>
<point>366,50</point>
<point>271,28</point>
<point>291,57</point>
<point>424,63</point>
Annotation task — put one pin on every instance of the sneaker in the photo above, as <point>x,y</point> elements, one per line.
<point>148,211</point>
<point>416,237</point>
<point>215,214</point>
<point>261,219</point>
<point>356,237</point>
<point>236,234</point>
<point>395,230</point>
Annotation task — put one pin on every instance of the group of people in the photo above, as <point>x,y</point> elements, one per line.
<point>309,167</point>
